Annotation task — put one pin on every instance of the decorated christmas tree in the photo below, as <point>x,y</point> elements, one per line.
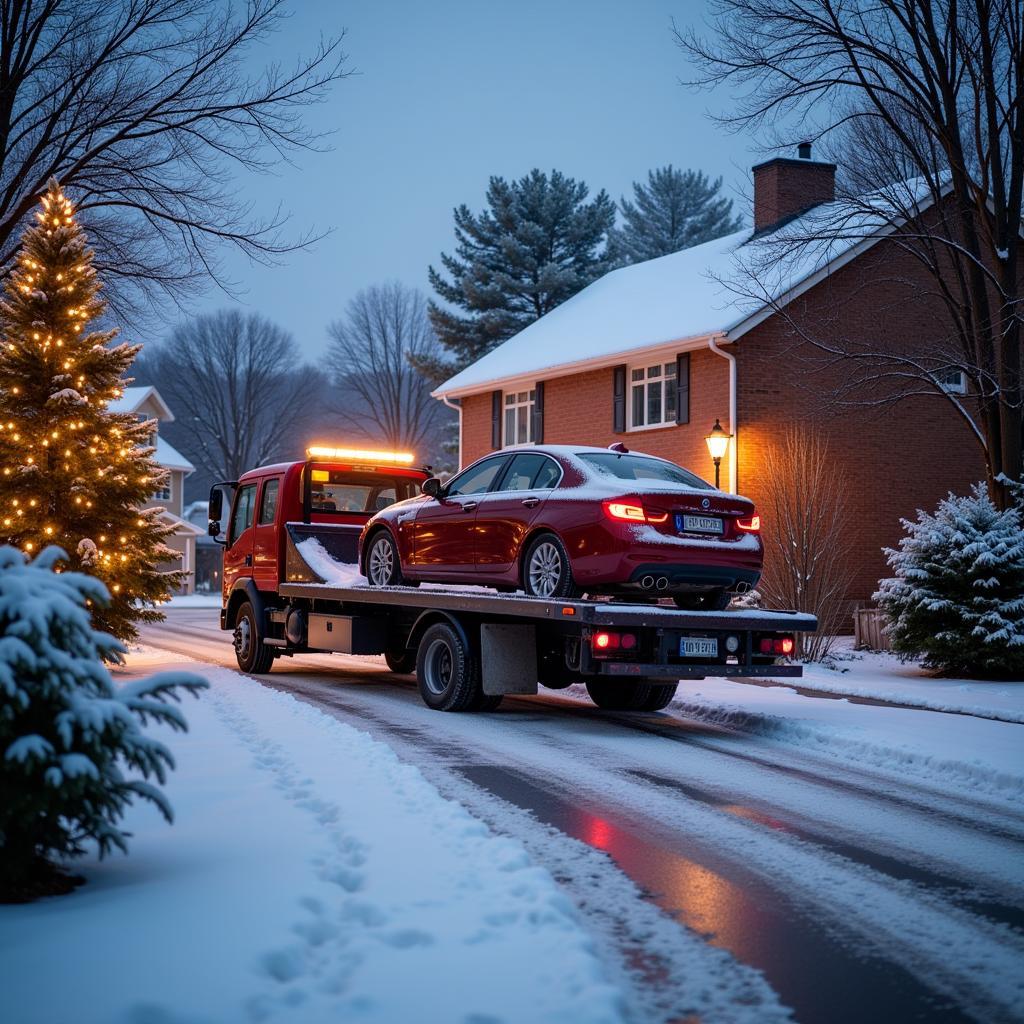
<point>73,473</point>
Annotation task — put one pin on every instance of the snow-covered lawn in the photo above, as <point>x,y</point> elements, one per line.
<point>885,677</point>
<point>310,876</point>
<point>197,600</point>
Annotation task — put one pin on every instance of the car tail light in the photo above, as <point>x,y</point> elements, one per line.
<point>630,513</point>
<point>605,642</point>
<point>752,524</point>
<point>777,645</point>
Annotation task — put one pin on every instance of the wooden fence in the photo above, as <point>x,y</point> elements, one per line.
<point>869,630</point>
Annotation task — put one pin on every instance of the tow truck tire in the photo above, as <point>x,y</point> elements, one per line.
<point>401,661</point>
<point>251,653</point>
<point>448,671</point>
<point>618,695</point>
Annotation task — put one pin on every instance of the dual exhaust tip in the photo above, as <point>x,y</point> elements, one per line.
<point>650,582</point>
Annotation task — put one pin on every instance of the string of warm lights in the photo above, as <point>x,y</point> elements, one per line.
<point>73,472</point>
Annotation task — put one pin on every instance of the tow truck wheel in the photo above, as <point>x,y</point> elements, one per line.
<point>402,660</point>
<point>448,672</point>
<point>618,695</point>
<point>251,653</point>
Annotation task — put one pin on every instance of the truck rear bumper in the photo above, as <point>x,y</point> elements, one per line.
<point>654,670</point>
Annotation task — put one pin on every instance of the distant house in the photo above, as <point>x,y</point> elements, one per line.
<point>653,354</point>
<point>146,403</point>
<point>209,554</point>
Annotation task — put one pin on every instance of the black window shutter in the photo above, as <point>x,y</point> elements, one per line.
<point>683,387</point>
<point>619,400</point>
<point>538,413</point>
<point>496,397</point>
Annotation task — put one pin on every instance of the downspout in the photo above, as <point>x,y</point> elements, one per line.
<point>457,405</point>
<point>734,446</point>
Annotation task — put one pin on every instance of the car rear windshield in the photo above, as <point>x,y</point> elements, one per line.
<point>642,467</point>
<point>349,490</point>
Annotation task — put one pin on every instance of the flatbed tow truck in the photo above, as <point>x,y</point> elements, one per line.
<point>469,646</point>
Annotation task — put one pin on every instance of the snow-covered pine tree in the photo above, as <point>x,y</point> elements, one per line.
<point>69,739</point>
<point>537,244</point>
<point>674,210</point>
<point>72,472</point>
<point>958,594</point>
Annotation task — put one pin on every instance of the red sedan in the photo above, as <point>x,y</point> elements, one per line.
<point>561,520</point>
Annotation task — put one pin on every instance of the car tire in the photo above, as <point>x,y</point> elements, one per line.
<point>382,563</point>
<point>401,661</point>
<point>448,670</point>
<point>623,695</point>
<point>703,601</point>
<point>251,653</point>
<point>546,569</point>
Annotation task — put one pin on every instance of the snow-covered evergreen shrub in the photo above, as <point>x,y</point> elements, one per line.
<point>70,741</point>
<point>958,594</point>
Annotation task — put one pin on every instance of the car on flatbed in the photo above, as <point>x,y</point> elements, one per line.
<point>291,586</point>
<point>564,520</point>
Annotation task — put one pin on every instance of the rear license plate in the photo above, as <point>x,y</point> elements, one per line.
<point>698,647</point>
<point>699,524</point>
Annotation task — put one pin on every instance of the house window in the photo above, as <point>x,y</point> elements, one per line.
<point>518,417</point>
<point>652,395</point>
<point>163,493</point>
<point>952,381</point>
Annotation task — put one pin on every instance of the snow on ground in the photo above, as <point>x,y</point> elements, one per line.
<point>310,876</point>
<point>884,677</point>
<point>197,600</point>
<point>974,754</point>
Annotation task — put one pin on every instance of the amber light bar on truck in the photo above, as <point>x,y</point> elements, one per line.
<point>319,451</point>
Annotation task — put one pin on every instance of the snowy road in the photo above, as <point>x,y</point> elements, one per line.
<point>695,852</point>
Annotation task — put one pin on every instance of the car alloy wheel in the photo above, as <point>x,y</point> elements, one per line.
<point>381,562</point>
<point>545,569</point>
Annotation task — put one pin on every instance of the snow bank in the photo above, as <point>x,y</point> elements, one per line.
<point>310,877</point>
<point>882,676</point>
<point>970,754</point>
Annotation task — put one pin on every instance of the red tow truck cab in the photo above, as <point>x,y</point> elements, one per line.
<point>330,495</point>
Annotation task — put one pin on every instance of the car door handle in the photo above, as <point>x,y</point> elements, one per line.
<point>468,506</point>
<point>531,502</point>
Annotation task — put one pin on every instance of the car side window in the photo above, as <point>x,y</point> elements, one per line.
<point>268,502</point>
<point>547,476</point>
<point>241,518</point>
<point>522,472</point>
<point>476,480</point>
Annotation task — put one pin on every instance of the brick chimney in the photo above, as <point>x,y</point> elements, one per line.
<point>784,187</point>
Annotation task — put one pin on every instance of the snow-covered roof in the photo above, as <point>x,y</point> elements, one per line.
<point>132,399</point>
<point>181,525</point>
<point>688,296</point>
<point>170,458</point>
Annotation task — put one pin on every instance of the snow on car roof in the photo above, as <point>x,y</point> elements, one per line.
<point>692,294</point>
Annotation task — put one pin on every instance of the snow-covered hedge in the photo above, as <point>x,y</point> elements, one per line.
<point>70,741</point>
<point>958,594</point>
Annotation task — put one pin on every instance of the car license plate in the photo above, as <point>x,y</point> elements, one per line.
<point>699,524</point>
<point>698,647</point>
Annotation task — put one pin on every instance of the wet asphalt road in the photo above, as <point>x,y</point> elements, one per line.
<point>859,895</point>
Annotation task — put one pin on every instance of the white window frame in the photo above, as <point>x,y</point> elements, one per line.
<point>664,379</point>
<point>951,388</point>
<point>517,402</point>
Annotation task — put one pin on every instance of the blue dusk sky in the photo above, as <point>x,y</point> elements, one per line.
<point>446,93</point>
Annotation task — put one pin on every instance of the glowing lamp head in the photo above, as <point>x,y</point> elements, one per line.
<point>372,456</point>
<point>718,441</point>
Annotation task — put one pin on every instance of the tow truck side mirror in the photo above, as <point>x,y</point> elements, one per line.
<point>432,486</point>
<point>216,509</point>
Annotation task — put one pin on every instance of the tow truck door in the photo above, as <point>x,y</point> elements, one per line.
<point>265,535</point>
<point>238,553</point>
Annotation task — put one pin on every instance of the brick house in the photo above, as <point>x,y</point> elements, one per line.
<point>146,403</point>
<point>652,354</point>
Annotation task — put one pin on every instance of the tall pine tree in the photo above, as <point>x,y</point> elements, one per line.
<point>674,210</point>
<point>538,243</point>
<point>73,473</point>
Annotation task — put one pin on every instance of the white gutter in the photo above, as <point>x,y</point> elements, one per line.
<point>455,404</point>
<point>713,345</point>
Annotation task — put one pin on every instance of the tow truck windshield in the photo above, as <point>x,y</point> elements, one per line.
<point>358,490</point>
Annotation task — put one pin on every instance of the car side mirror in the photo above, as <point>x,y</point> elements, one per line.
<point>432,486</point>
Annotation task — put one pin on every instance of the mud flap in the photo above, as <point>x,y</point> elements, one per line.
<point>508,658</point>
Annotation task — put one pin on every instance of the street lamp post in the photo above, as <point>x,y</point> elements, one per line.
<point>718,445</point>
